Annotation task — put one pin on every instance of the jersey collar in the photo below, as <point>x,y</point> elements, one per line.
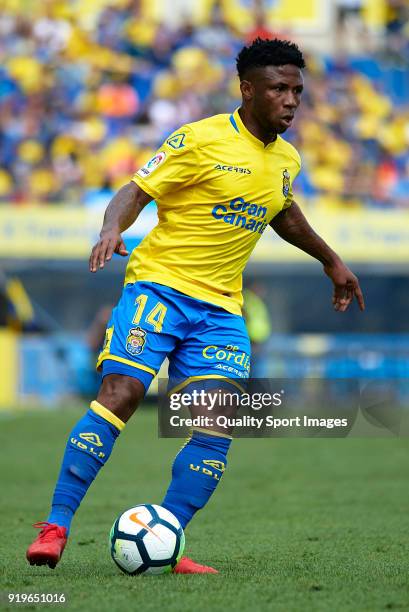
<point>239,126</point>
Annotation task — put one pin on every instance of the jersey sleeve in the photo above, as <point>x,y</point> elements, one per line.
<point>291,178</point>
<point>289,198</point>
<point>175,165</point>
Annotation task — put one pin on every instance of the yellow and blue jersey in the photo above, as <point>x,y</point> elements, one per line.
<point>217,187</point>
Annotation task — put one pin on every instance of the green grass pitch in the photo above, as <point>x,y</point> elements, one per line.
<point>296,525</point>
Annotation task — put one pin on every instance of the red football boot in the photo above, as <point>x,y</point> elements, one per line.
<point>48,546</point>
<point>188,566</point>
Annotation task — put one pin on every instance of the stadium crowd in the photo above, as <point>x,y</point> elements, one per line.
<point>89,89</point>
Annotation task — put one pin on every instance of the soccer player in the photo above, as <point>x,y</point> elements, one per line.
<point>218,183</point>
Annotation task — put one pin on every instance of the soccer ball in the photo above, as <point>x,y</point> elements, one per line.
<point>147,539</point>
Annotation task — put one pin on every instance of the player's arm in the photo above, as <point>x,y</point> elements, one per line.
<point>291,225</point>
<point>121,213</point>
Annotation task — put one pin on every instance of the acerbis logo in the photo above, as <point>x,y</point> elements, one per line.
<point>176,141</point>
<point>217,465</point>
<point>206,471</point>
<point>226,168</point>
<point>92,438</point>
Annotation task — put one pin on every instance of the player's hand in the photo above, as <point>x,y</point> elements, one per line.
<point>346,286</point>
<point>110,242</point>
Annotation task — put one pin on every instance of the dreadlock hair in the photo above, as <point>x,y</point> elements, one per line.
<point>265,52</point>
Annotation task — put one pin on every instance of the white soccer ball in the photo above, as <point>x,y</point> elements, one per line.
<point>147,539</point>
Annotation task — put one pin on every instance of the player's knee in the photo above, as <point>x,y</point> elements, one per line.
<point>121,395</point>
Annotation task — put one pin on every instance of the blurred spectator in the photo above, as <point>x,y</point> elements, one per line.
<point>349,25</point>
<point>16,308</point>
<point>87,379</point>
<point>89,90</point>
<point>259,328</point>
<point>397,31</point>
<point>400,190</point>
<point>261,28</point>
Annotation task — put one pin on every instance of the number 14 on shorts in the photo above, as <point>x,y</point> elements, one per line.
<point>155,317</point>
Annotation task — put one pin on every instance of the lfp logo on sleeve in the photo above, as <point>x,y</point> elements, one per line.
<point>152,164</point>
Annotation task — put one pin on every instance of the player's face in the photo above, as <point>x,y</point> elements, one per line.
<point>274,94</point>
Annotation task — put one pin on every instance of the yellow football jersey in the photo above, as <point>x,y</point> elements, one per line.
<point>217,187</point>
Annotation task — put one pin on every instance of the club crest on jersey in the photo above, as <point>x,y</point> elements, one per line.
<point>152,164</point>
<point>135,341</point>
<point>176,141</point>
<point>286,182</point>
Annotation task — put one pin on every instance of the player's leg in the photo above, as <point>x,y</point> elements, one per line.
<point>88,448</point>
<point>219,349</point>
<point>130,358</point>
<point>91,441</point>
